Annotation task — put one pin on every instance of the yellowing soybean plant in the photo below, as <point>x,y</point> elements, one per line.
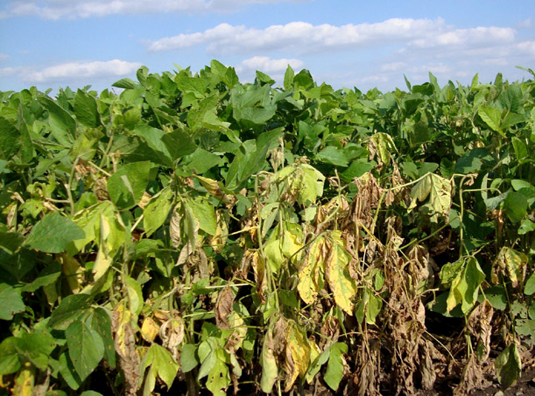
<point>194,234</point>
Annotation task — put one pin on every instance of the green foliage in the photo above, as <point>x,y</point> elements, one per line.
<point>197,232</point>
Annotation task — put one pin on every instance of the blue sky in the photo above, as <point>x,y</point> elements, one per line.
<point>59,43</point>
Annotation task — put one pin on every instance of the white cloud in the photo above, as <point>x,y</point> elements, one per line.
<point>3,56</point>
<point>301,37</point>
<point>9,71</point>
<point>525,24</point>
<point>268,65</point>
<point>72,71</point>
<point>56,9</point>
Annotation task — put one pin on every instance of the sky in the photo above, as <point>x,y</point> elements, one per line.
<point>363,44</point>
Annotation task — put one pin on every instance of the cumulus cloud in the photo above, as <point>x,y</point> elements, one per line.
<point>56,9</point>
<point>301,37</point>
<point>73,71</point>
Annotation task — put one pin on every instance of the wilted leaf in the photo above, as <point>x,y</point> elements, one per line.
<point>297,355</point>
<point>514,262</point>
<point>125,345</point>
<point>223,307</point>
<point>508,366</point>
<point>437,189</point>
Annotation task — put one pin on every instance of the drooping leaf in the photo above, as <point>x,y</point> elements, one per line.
<point>508,366</point>
<point>335,367</point>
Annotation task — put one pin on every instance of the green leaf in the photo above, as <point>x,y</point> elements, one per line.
<point>36,348</point>
<point>529,288</point>
<point>515,206</point>
<point>135,295</point>
<point>10,302</point>
<point>178,144</point>
<point>101,323</point>
<point>356,170</point>
<point>335,366</point>
<point>68,372</point>
<point>332,155</point>
<point>219,377</point>
<point>157,210</point>
<point>472,161</point>
<point>9,364</point>
<point>508,366</point>
<point>289,78</point>
<point>47,276</point>
<point>205,213</point>
<point>188,358</point>
<point>521,150</point>
<point>269,364</point>
<point>464,288</point>
<point>161,365</point>
<point>9,139</point>
<point>62,125</point>
<point>53,233</point>
<point>86,348</point>
<point>125,83</point>
<point>85,109</point>
<point>492,117</point>
<point>71,308</point>
<point>127,185</point>
<point>201,161</point>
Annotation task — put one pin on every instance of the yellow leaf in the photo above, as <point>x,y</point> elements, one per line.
<point>72,271</point>
<point>337,274</point>
<point>25,381</point>
<point>297,355</point>
<point>311,272</point>
<point>149,329</point>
